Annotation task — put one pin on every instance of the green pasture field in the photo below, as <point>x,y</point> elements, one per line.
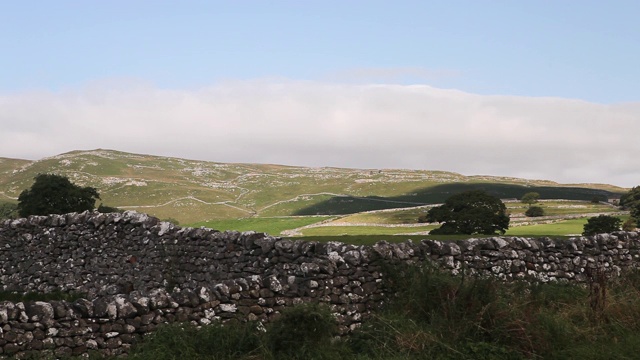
<point>437,193</point>
<point>368,235</point>
<point>410,216</point>
<point>364,230</point>
<point>371,234</point>
<point>372,239</point>
<point>289,207</point>
<point>398,216</point>
<point>361,239</point>
<point>270,225</point>
<point>196,211</point>
<point>560,228</point>
<point>552,208</point>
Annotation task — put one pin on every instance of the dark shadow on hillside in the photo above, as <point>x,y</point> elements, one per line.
<point>341,205</point>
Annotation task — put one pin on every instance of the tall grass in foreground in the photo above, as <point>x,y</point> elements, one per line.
<point>436,316</point>
<point>302,332</point>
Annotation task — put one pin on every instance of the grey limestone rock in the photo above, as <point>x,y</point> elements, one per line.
<point>39,311</point>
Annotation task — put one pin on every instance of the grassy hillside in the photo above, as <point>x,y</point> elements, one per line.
<point>196,191</point>
<point>562,218</point>
<point>7,168</point>
<point>438,193</point>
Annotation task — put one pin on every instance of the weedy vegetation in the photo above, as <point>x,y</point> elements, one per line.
<point>435,315</point>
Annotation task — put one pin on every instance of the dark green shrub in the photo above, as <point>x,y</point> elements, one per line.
<point>601,224</point>
<point>185,341</point>
<point>534,211</point>
<point>302,332</point>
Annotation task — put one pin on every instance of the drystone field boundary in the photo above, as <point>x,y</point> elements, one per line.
<point>138,273</point>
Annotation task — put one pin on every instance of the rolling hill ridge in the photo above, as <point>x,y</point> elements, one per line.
<point>191,191</point>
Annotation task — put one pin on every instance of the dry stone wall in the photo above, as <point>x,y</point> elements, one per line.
<point>138,273</point>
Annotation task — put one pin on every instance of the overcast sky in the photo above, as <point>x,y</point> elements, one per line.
<point>534,89</point>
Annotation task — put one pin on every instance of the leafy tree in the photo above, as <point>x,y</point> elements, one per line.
<point>55,194</point>
<point>631,202</point>
<point>601,224</point>
<point>470,212</point>
<point>530,198</point>
<point>534,211</point>
<point>631,197</point>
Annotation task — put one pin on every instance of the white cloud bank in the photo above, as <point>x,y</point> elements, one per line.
<point>319,124</point>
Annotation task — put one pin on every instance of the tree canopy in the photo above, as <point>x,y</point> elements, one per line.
<point>530,198</point>
<point>55,194</point>
<point>631,202</point>
<point>470,212</point>
<point>601,224</point>
<point>534,211</point>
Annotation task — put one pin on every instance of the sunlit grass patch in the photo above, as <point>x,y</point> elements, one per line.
<point>270,225</point>
<point>365,230</point>
<point>560,228</point>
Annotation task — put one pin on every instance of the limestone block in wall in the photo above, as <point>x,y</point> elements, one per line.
<point>8,312</point>
<point>498,242</point>
<point>267,244</point>
<point>273,284</point>
<point>283,246</point>
<point>39,311</point>
<point>309,268</point>
<point>84,307</point>
<point>352,257</point>
<point>105,307</point>
<point>186,297</point>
